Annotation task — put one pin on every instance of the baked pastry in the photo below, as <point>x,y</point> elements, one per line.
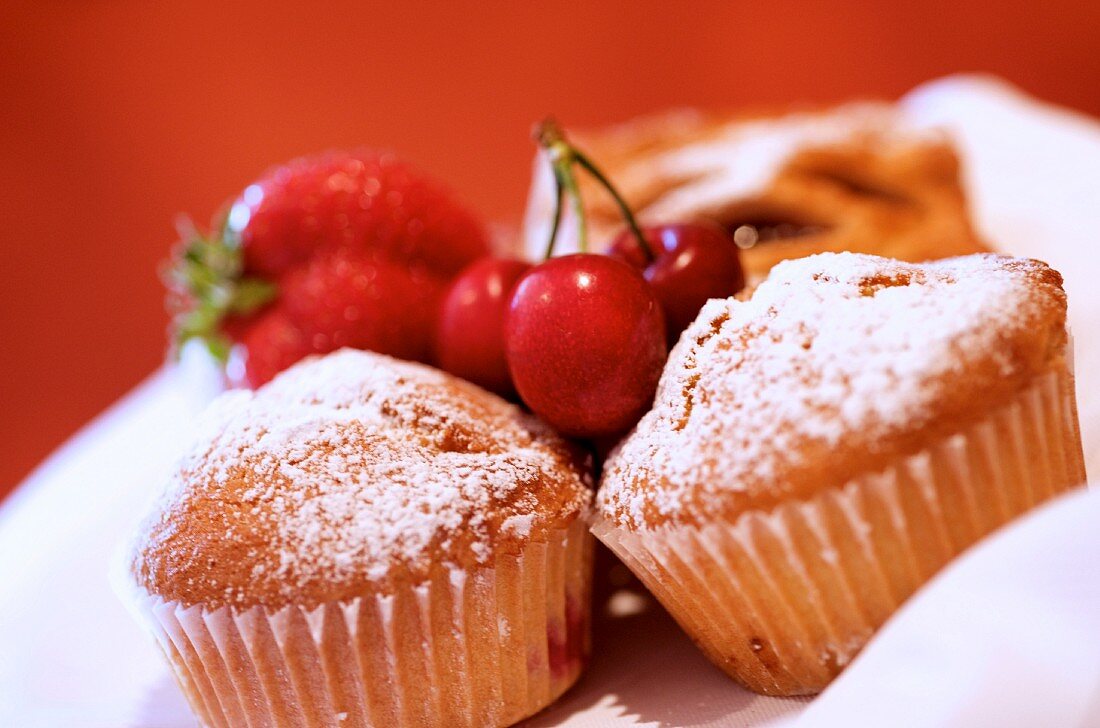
<point>365,541</point>
<point>819,451</point>
<point>856,177</point>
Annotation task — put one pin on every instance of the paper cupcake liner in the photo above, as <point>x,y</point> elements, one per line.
<point>482,647</point>
<point>782,600</point>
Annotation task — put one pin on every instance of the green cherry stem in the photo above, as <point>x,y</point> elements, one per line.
<point>631,221</point>
<point>549,136</point>
<point>569,182</point>
<point>562,157</point>
<point>557,215</point>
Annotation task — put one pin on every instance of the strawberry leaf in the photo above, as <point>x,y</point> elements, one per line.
<point>205,283</point>
<point>250,294</point>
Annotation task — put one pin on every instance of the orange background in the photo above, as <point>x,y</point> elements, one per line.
<point>114,116</point>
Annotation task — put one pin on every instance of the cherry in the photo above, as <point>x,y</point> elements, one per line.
<point>693,262</point>
<point>585,343</point>
<point>470,332</point>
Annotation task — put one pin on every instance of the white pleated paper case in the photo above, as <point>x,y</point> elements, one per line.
<point>466,647</point>
<point>783,600</point>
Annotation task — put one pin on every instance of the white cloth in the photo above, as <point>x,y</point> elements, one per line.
<point>1006,636</point>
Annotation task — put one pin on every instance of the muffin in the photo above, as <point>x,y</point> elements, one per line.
<point>857,177</point>
<point>817,452</point>
<point>369,542</point>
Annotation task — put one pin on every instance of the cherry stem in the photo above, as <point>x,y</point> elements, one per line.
<point>562,157</point>
<point>557,215</point>
<point>631,221</point>
<point>569,181</point>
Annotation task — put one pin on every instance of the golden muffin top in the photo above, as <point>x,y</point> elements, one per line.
<point>836,365</point>
<point>348,472</point>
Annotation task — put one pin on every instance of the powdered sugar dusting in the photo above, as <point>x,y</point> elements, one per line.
<point>347,467</point>
<point>834,356</point>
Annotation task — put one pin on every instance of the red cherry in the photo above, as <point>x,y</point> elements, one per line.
<point>585,342</point>
<point>694,262</point>
<point>470,334</point>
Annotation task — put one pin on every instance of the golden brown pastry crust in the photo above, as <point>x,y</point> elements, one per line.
<point>849,178</point>
<point>837,366</point>
<point>349,472</point>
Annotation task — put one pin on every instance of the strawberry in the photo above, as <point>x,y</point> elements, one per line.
<point>360,200</point>
<point>340,249</point>
<point>272,343</point>
<point>343,299</point>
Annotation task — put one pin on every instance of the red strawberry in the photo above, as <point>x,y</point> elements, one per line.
<point>360,201</point>
<point>347,299</point>
<point>272,344</point>
<point>341,249</point>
